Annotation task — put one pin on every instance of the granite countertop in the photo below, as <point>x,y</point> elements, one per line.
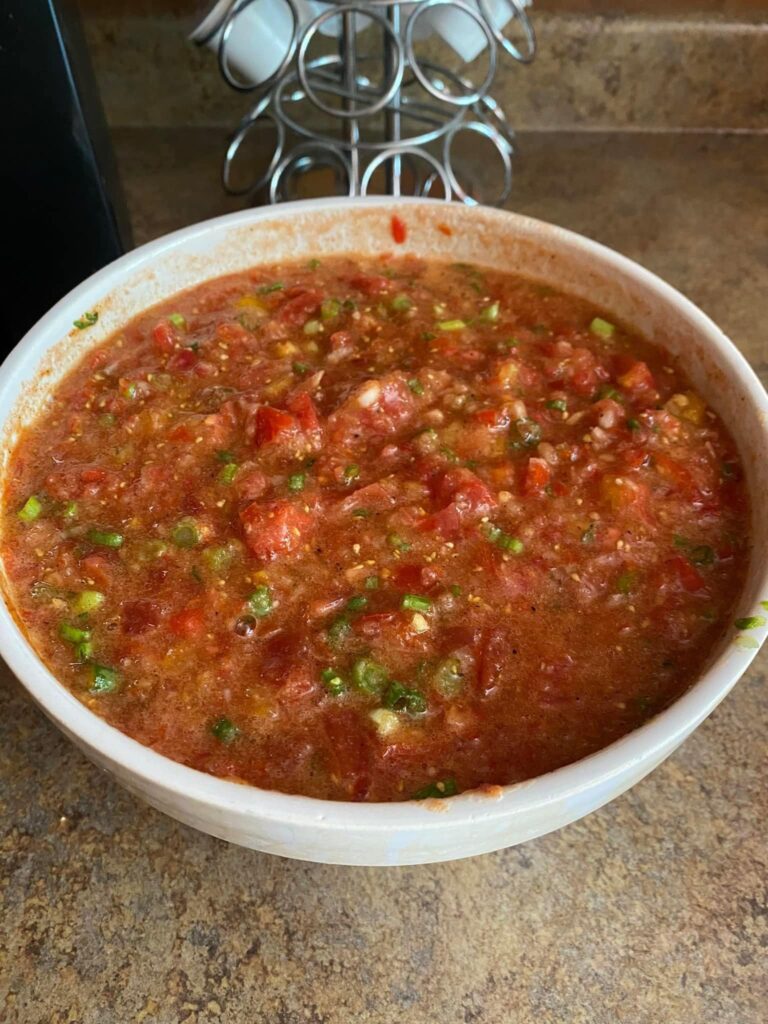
<point>653,910</point>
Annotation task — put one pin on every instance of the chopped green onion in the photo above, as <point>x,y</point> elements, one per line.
<point>491,313</point>
<point>313,264</point>
<point>103,679</point>
<point>451,325</point>
<point>338,631</point>
<point>73,634</point>
<point>105,538</point>
<point>107,419</point>
<point>357,603</point>
<point>558,404</point>
<point>492,533</point>
<point>403,698</point>
<point>87,601</point>
<point>633,424</point>
<point>750,622</point>
<point>300,368</point>
<point>351,472</point>
<point>178,321</point>
<point>448,678</point>
<point>330,308</point>
<point>416,386</point>
<point>228,473</point>
<point>130,390</point>
<point>428,336</point>
<point>31,509</point>
<point>602,327</point>
<point>261,601</point>
<point>371,582</point>
<point>437,790</point>
<point>401,303</point>
<point>84,651</point>
<point>369,676</point>
<point>296,481</point>
<point>524,433</point>
<point>362,513</point>
<point>455,589</point>
<point>333,682</point>
<point>86,320</point>
<point>69,511</point>
<point>313,327</point>
<point>415,603</point>
<point>225,730</point>
<point>185,534</point>
<point>225,457</point>
<point>265,289</point>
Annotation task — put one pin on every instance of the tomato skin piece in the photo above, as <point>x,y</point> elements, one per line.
<point>271,423</point>
<point>303,408</point>
<point>398,229</point>
<point>98,568</point>
<point>183,359</point>
<point>164,337</point>
<point>297,309</point>
<point>537,476</point>
<point>688,576</point>
<point>188,622</point>
<point>276,528</point>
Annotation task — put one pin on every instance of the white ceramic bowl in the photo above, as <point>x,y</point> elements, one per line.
<point>401,833</point>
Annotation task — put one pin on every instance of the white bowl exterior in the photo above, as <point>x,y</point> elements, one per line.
<point>403,833</point>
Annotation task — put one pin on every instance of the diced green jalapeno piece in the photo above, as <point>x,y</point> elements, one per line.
<point>451,325</point>
<point>351,472</point>
<point>403,698</point>
<point>401,303</point>
<point>371,582</point>
<point>73,634</point>
<point>219,557</point>
<point>750,622</point>
<point>437,790</point>
<point>333,682</point>
<point>103,679</point>
<point>338,631</point>
<point>261,601</point>
<point>491,313</point>
<point>185,534</point>
<point>415,603</point>
<point>296,481</point>
<point>626,582</point>
<point>266,289</point>
<point>87,601</point>
<point>105,538</point>
<point>558,404</point>
<point>416,386</point>
<point>602,327</point>
<point>397,542</point>
<point>369,676</point>
<point>86,320</point>
<point>225,730</point>
<point>228,473</point>
<point>357,603</point>
<point>178,321</point>
<point>313,327</point>
<point>330,308</point>
<point>31,509</point>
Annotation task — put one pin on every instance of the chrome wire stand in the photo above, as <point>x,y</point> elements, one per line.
<point>386,120</point>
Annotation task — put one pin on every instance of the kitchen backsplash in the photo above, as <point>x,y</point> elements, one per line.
<point>600,66</point>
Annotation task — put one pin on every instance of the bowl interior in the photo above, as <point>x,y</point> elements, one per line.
<point>434,230</point>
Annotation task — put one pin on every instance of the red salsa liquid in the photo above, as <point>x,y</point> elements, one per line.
<point>375,529</point>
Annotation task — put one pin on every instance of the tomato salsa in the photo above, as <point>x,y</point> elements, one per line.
<point>375,529</point>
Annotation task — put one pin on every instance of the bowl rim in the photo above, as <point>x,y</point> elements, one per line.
<point>643,747</point>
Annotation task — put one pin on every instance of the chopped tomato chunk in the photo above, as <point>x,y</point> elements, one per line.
<point>275,528</point>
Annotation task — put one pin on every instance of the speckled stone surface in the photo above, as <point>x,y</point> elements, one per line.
<point>654,910</point>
